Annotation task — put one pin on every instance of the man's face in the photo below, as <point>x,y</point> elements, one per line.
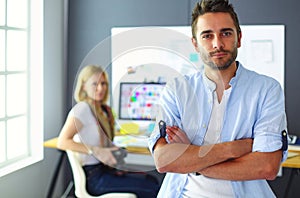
<point>217,40</point>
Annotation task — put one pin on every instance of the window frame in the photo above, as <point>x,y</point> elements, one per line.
<point>35,86</point>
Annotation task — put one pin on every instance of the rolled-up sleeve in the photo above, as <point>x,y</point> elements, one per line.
<point>271,122</point>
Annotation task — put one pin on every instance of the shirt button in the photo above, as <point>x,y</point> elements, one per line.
<point>203,125</point>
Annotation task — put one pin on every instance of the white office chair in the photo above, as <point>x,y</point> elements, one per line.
<point>80,180</point>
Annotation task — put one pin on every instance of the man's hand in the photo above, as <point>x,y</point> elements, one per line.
<point>176,135</point>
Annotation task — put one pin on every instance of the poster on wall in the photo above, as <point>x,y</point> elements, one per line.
<point>263,50</point>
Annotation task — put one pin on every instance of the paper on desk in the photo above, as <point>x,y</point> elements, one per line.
<point>131,141</point>
<point>294,147</point>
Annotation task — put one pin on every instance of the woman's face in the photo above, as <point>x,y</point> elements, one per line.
<point>96,87</point>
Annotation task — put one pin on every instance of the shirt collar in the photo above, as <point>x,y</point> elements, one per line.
<point>211,84</point>
<point>238,72</point>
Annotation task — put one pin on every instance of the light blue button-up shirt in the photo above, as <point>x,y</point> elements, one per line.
<point>255,109</point>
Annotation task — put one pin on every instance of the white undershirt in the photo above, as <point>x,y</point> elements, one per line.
<point>199,186</point>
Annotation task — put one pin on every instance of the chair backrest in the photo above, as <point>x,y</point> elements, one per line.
<point>80,180</point>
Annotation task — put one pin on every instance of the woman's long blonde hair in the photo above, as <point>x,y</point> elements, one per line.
<point>88,71</point>
<point>81,96</point>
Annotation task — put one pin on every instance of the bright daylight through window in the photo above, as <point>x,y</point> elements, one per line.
<point>21,84</point>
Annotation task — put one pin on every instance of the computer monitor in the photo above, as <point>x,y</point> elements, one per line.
<point>139,101</point>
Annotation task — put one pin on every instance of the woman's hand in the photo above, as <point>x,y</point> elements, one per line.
<point>176,135</point>
<point>105,155</point>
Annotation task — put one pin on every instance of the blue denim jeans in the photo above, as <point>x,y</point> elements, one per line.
<point>102,179</point>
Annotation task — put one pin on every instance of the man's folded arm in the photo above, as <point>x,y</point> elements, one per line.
<point>255,165</point>
<point>187,158</point>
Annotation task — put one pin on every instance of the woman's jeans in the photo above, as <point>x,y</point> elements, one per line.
<point>102,179</point>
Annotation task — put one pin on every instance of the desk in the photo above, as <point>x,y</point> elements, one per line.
<point>51,143</point>
<point>137,147</point>
<point>294,164</point>
<point>136,155</point>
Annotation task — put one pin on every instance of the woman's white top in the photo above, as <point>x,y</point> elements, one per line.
<point>89,133</point>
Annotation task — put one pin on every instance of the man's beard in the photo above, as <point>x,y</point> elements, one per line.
<point>206,59</point>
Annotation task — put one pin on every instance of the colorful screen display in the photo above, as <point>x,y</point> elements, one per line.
<point>139,101</point>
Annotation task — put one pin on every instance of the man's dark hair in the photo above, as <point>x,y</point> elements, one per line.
<point>209,6</point>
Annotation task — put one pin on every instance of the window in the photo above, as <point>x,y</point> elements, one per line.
<point>21,84</point>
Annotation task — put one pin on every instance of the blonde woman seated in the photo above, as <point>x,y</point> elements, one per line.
<point>89,129</point>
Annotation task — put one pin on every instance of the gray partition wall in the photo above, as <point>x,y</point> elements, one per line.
<point>90,22</point>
